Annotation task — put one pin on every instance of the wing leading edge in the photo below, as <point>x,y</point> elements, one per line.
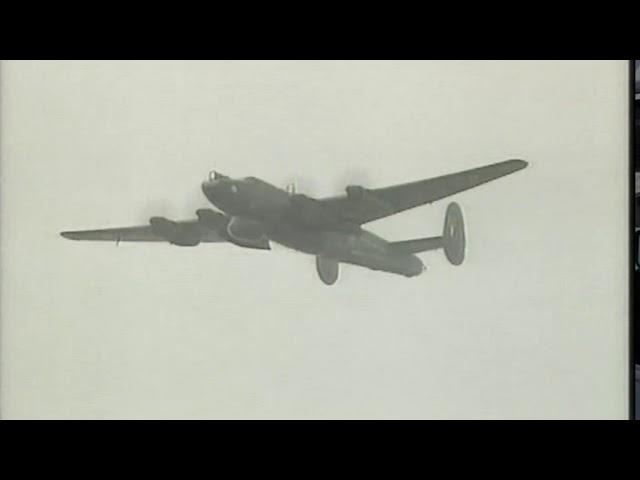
<point>159,229</point>
<point>362,205</point>
<point>141,233</point>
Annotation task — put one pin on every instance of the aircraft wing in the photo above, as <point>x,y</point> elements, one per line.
<point>362,205</point>
<point>160,229</point>
<point>141,233</point>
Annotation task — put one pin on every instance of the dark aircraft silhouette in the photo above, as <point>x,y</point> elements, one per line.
<point>253,213</point>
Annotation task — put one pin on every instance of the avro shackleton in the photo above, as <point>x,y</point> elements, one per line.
<point>253,213</point>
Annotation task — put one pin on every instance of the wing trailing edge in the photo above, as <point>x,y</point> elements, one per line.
<point>362,205</point>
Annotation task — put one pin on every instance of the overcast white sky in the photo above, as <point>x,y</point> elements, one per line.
<point>533,325</point>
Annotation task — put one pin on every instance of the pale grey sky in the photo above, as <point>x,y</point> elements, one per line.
<point>533,325</point>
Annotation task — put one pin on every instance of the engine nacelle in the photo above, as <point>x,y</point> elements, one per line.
<point>356,192</point>
<point>211,219</point>
<point>248,233</point>
<point>175,233</point>
<point>328,270</point>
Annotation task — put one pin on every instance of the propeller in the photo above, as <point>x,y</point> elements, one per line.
<point>352,176</point>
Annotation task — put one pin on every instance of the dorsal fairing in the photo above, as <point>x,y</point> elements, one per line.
<point>308,212</point>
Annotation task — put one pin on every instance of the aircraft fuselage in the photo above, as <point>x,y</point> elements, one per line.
<point>258,208</point>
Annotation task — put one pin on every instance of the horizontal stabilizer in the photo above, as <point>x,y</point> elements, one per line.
<point>418,245</point>
<point>452,241</point>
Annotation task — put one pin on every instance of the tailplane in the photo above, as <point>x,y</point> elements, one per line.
<point>452,241</point>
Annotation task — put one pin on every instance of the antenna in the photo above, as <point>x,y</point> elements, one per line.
<point>291,188</point>
<point>215,175</point>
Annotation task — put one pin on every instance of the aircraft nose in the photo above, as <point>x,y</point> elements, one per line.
<point>419,266</point>
<point>209,187</point>
<point>212,182</point>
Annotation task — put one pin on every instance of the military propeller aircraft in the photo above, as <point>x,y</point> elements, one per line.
<point>252,213</point>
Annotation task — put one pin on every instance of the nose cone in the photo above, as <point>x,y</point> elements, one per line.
<point>212,181</point>
<point>222,193</point>
<point>208,188</point>
<point>417,267</point>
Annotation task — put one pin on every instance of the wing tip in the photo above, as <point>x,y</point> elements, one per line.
<point>518,164</point>
<point>69,235</point>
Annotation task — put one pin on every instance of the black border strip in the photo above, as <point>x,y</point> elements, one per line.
<point>633,167</point>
